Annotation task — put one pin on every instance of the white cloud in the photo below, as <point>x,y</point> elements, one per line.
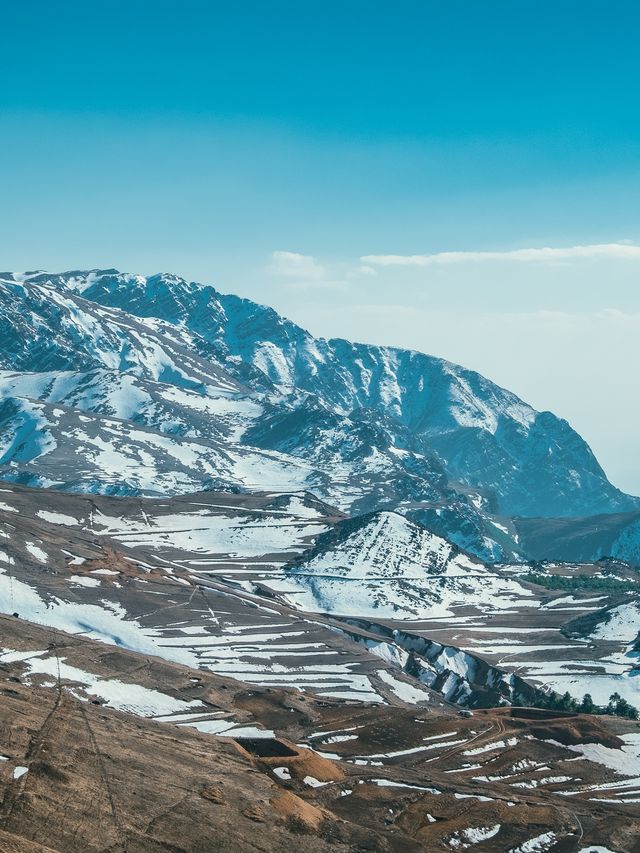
<point>305,268</point>
<point>620,251</point>
<point>300,272</point>
<point>365,270</point>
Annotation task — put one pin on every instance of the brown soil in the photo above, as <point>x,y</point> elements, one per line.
<point>293,809</point>
<point>100,780</point>
<point>574,730</point>
<point>10,843</point>
<point>307,763</point>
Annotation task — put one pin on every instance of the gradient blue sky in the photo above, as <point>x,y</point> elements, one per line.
<point>201,138</point>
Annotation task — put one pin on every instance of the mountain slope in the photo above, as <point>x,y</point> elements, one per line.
<point>44,328</point>
<point>532,462</point>
<point>44,445</point>
<point>614,535</point>
<point>387,566</point>
<point>384,545</point>
<point>106,749</point>
<point>196,390</point>
<point>155,388</point>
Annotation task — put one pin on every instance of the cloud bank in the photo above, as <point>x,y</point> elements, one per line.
<point>598,251</point>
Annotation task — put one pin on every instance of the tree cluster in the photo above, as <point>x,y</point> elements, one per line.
<point>555,702</point>
<point>575,583</point>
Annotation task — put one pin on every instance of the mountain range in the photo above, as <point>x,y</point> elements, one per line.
<point>123,384</point>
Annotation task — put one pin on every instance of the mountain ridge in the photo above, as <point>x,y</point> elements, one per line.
<point>366,427</point>
<point>251,331</point>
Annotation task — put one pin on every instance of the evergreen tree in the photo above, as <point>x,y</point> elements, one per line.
<point>588,705</point>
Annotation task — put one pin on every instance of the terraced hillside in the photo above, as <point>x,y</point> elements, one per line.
<point>102,748</point>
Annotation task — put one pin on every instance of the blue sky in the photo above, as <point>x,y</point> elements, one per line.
<point>202,138</point>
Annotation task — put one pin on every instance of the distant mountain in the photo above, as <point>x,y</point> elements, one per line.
<point>151,385</point>
<point>486,437</point>
<point>614,535</point>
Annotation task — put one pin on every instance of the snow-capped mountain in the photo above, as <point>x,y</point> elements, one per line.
<point>386,565</point>
<point>485,436</point>
<point>124,384</point>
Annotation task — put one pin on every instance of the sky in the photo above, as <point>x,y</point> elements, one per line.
<point>385,172</point>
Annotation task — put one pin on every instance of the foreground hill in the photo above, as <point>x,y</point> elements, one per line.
<point>104,748</point>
